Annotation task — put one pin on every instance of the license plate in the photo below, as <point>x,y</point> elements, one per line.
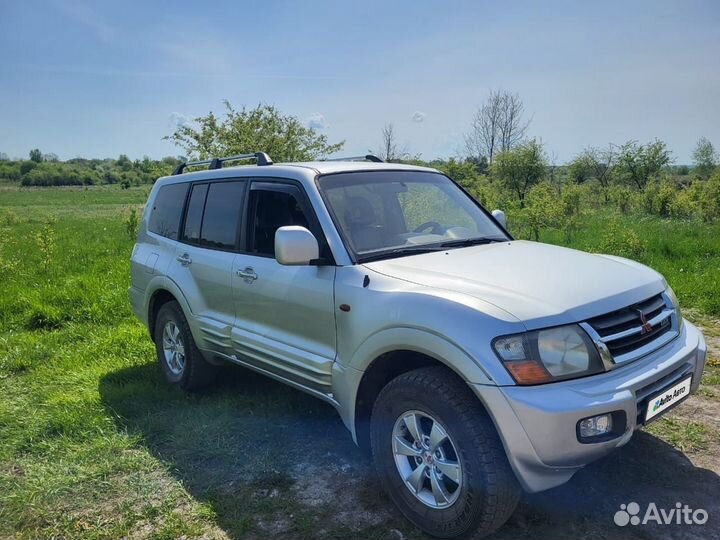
<point>667,398</point>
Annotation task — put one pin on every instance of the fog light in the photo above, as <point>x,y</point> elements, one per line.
<point>595,426</point>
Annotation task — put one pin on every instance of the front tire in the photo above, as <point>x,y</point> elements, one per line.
<point>439,457</point>
<point>179,358</point>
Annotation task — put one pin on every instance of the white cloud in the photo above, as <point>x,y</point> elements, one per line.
<point>178,120</point>
<point>317,121</point>
<point>418,116</point>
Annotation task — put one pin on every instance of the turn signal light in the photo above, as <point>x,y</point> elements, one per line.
<point>528,372</point>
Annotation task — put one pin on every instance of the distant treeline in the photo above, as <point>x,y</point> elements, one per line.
<point>46,170</point>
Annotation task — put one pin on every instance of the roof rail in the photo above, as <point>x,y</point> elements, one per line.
<point>366,157</point>
<point>216,163</point>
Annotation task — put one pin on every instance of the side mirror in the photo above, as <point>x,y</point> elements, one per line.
<point>295,246</point>
<point>499,216</point>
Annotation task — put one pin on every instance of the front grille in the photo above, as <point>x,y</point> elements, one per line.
<point>623,333</point>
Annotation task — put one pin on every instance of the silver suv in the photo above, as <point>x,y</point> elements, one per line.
<point>470,364</point>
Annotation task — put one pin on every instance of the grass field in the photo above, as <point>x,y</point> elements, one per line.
<point>93,444</point>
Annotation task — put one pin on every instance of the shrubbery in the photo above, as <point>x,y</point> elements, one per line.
<point>637,180</point>
<point>47,171</point>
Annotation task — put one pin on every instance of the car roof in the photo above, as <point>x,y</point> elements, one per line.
<point>300,170</point>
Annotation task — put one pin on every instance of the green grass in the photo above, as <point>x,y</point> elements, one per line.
<point>93,444</point>
<point>686,436</point>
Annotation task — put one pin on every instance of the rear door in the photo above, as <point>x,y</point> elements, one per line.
<point>285,314</point>
<point>204,259</point>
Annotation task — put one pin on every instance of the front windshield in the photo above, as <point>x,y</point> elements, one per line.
<point>395,212</point>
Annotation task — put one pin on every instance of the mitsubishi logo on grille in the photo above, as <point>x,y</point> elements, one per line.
<point>646,326</point>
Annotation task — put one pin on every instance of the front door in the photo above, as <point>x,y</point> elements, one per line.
<point>285,314</point>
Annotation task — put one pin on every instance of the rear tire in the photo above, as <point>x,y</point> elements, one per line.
<point>486,491</point>
<point>179,358</point>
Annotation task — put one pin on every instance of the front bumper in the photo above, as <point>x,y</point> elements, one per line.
<point>537,424</point>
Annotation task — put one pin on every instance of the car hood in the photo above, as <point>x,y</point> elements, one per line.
<point>539,284</point>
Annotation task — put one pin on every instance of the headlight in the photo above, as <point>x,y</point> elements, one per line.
<point>553,354</point>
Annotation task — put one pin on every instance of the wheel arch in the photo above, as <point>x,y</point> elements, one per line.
<point>160,291</point>
<point>158,298</point>
<point>386,362</point>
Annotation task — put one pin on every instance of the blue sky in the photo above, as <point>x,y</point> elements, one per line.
<point>98,79</point>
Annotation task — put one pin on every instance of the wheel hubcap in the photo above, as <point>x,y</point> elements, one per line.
<point>173,348</point>
<point>426,459</point>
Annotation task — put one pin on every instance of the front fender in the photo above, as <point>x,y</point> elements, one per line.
<point>348,375</point>
<point>423,341</point>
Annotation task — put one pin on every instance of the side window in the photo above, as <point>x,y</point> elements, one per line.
<point>167,210</point>
<point>271,210</point>
<point>223,207</point>
<point>193,217</point>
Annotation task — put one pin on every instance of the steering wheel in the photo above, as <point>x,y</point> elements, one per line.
<point>434,227</point>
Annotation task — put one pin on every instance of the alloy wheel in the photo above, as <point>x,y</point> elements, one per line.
<point>173,348</point>
<point>426,459</point>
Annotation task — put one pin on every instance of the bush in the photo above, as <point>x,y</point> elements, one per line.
<point>26,167</point>
<point>622,198</point>
<point>710,199</point>
<point>572,201</point>
<point>10,171</point>
<point>543,209</point>
<point>620,241</point>
<point>60,174</point>
<point>45,241</point>
<point>131,223</point>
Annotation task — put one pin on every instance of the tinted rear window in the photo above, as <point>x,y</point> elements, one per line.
<point>222,215</point>
<point>167,210</point>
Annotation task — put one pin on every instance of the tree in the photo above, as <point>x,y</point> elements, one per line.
<point>496,127</point>
<point>124,162</point>
<point>463,172</point>
<point>520,168</point>
<point>594,163</point>
<point>705,159</point>
<point>388,148</point>
<point>262,129</point>
<point>638,163</point>
<point>27,166</point>
<point>512,126</point>
<point>544,209</point>
<point>36,155</point>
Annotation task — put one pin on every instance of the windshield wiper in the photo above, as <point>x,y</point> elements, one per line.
<point>465,242</point>
<point>399,252</point>
<point>428,248</point>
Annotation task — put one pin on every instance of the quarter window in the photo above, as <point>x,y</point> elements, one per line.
<point>193,217</point>
<point>167,210</point>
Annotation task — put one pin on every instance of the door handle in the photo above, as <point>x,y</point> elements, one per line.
<point>248,274</point>
<point>184,259</point>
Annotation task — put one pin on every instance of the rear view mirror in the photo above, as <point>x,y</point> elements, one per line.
<point>295,246</point>
<point>499,216</point>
